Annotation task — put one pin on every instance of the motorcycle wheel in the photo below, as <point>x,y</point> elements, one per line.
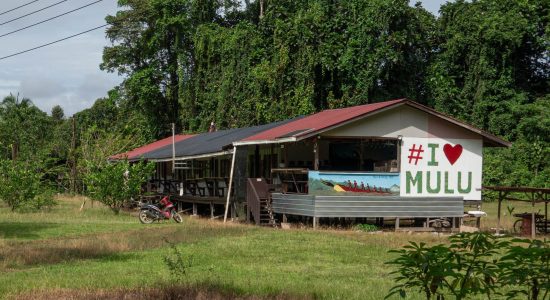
<point>177,217</point>
<point>144,217</point>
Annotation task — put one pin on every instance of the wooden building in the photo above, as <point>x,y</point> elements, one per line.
<point>393,159</point>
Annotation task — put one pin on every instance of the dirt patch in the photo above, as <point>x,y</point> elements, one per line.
<point>52,251</point>
<point>166,292</point>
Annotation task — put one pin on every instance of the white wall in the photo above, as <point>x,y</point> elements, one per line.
<point>405,121</point>
<point>417,128</point>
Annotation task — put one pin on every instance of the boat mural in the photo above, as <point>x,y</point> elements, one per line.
<point>369,184</point>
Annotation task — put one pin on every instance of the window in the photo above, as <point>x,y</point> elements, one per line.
<point>371,155</point>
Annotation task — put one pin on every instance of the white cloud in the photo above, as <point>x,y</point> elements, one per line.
<point>66,73</point>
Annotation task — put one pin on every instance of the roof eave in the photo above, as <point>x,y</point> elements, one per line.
<point>489,140</point>
<point>263,142</point>
<point>198,156</point>
<point>370,113</point>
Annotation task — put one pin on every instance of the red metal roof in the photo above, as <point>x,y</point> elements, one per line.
<point>140,151</point>
<point>321,120</point>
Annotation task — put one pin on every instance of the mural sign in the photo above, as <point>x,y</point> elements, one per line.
<point>437,167</point>
<point>353,183</point>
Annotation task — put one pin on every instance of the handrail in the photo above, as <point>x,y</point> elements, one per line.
<point>253,201</point>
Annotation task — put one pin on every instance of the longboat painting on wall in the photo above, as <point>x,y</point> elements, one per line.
<point>353,183</point>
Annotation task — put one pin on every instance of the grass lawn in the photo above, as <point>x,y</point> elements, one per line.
<point>95,251</point>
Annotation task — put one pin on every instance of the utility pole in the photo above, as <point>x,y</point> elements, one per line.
<point>73,158</point>
<point>173,150</point>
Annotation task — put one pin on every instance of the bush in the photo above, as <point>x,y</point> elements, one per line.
<point>177,264</point>
<point>527,269</point>
<point>469,267</point>
<point>115,184</point>
<point>21,187</point>
<point>366,227</point>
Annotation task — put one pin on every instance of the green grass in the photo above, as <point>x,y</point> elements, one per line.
<point>94,250</point>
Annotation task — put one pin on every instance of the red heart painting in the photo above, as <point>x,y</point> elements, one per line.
<point>452,152</point>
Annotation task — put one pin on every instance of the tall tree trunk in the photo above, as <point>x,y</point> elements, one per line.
<point>14,150</point>
<point>261,9</point>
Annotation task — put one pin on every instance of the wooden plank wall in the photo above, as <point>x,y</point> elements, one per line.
<point>367,206</point>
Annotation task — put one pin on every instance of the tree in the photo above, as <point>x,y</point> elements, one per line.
<point>152,44</point>
<point>21,186</point>
<point>58,114</point>
<point>492,59</point>
<point>24,129</point>
<point>115,184</point>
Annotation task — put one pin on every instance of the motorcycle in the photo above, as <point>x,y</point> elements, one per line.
<point>149,212</point>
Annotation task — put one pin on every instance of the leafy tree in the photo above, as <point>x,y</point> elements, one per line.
<point>57,113</point>
<point>24,129</point>
<point>475,271</point>
<point>115,184</point>
<point>492,59</point>
<point>423,268</point>
<point>464,268</point>
<point>526,270</point>
<point>152,44</point>
<point>21,186</point>
<point>189,62</point>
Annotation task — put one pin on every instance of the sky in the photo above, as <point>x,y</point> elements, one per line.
<point>66,73</point>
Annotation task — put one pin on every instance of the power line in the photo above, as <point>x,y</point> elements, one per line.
<point>32,13</point>
<point>52,18</point>
<point>54,42</point>
<point>7,11</point>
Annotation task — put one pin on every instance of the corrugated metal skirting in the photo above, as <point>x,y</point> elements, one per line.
<point>367,206</point>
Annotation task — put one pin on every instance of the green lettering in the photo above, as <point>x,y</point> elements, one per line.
<point>433,162</point>
<point>417,180</point>
<point>447,189</point>
<point>428,185</point>
<point>469,188</point>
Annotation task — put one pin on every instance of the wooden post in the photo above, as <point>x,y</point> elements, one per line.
<point>211,210</point>
<point>396,224</point>
<point>230,184</point>
<point>316,154</point>
<point>315,221</point>
<point>173,150</point>
<point>194,209</point>
<point>533,225</point>
<point>545,216</point>
<point>500,196</point>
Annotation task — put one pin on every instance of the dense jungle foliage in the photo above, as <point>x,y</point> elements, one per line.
<point>241,63</point>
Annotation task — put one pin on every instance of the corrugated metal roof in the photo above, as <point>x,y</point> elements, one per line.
<point>324,119</point>
<point>141,151</point>
<point>284,131</point>
<point>210,142</point>
<point>331,118</point>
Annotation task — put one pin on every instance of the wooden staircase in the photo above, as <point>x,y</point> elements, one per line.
<point>258,199</point>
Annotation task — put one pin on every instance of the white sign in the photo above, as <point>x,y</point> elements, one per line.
<point>433,167</point>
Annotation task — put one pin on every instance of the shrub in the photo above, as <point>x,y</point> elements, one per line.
<point>177,264</point>
<point>21,187</point>
<point>527,269</point>
<point>464,268</point>
<point>366,227</point>
<point>116,183</point>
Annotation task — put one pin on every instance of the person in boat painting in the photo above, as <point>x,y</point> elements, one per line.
<point>352,187</point>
